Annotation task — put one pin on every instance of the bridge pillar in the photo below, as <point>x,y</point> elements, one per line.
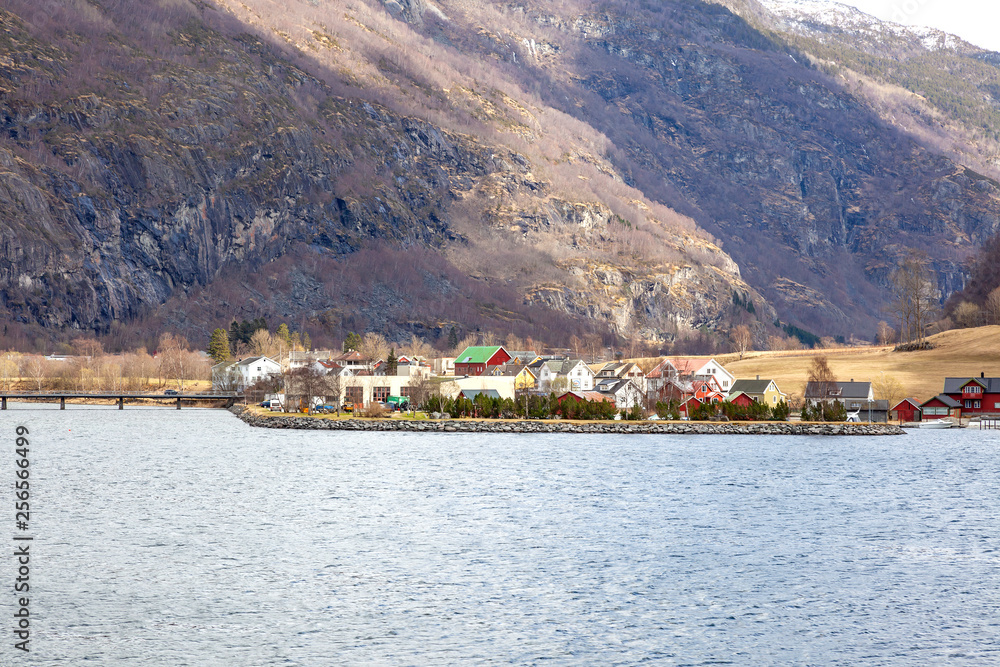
<point>62,402</point>
<point>4,403</point>
<point>178,403</point>
<point>121,402</point>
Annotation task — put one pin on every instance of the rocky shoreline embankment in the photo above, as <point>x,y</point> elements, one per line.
<point>533,426</point>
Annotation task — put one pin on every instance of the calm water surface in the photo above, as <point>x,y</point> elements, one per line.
<point>169,537</point>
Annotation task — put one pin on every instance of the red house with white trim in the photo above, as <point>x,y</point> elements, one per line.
<point>977,396</point>
<point>907,410</point>
<point>939,407</point>
<point>480,359</point>
<point>688,406</point>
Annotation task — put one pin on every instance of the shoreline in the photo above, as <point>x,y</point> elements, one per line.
<point>253,419</point>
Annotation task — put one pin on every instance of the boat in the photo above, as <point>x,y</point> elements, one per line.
<point>936,423</point>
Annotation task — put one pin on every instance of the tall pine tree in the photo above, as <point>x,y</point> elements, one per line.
<point>218,346</point>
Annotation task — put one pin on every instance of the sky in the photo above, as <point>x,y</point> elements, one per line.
<point>975,21</point>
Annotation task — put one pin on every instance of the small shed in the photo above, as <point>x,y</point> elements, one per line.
<point>907,410</point>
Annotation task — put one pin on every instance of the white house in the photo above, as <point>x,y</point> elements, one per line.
<point>300,358</point>
<point>626,393</point>
<point>579,376</point>
<point>623,370</point>
<point>689,367</point>
<point>238,375</point>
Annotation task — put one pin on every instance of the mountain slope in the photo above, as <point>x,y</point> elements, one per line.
<point>150,156</point>
<point>579,162</point>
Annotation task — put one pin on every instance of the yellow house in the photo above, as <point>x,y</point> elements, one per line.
<point>522,375</point>
<point>761,391</point>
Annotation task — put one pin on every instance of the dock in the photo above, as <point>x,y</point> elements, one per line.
<point>229,397</point>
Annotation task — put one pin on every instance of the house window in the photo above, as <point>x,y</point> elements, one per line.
<point>380,393</point>
<point>976,405</point>
<point>973,389</point>
<point>968,403</point>
<point>355,395</point>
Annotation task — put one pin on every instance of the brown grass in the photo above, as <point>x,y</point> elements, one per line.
<point>957,353</point>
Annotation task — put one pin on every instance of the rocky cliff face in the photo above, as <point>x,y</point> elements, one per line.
<point>625,173</point>
<point>219,152</point>
<point>813,191</point>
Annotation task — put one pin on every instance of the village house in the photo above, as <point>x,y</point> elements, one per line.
<point>577,374</point>
<point>689,406</point>
<point>907,410</point>
<point>977,396</point>
<point>480,359</point>
<point>442,366</point>
<point>940,407</point>
<point>707,390</point>
<point>300,358</point>
<point>522,357</point>
<point>593,396</point>
<point>759,391</point>
<point>623,370</point>
<point>875,411</point>
<point>851,394</point>
<point>504,385</point>
<point>238,375</point>
<point>524,377</point>
<point>662,374</point>
<point>624,391</point>
<point>353,361</point>
<point>472,393</point>
<point>689,368</point>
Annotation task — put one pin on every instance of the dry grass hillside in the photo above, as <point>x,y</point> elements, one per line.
<point>961,352</point>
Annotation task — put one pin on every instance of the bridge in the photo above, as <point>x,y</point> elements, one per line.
<point>61,396</point>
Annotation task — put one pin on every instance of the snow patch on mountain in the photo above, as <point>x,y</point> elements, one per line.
<point>818,18</point>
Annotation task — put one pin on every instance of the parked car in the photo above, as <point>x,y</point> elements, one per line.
<point>275,405</point>
<point>347,407</point>
<point>170,392</point>
<point>325,409</point>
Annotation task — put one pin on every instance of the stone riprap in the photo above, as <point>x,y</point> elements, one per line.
<point>538,426</point>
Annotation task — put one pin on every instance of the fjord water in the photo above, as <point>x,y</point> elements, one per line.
<point>167,537</point>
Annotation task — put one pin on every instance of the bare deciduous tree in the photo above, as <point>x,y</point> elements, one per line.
<point>742,339</point>
<point>884,334</point>
<point>967,315</point>
<point>992,307</point>
<point>914,296</point>
<point>373,347</point>
<point>887,388</point>
<point>821,381</point>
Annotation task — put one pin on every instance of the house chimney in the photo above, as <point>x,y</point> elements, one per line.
<point>982,375</point>
<point>758,377</point>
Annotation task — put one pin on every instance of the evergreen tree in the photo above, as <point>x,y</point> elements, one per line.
<point>284,334</point>
<point>452,339</point>
<point>391,362</point>
<point>306,341</point>
<point>218,346</point>
<point>352,342</point>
